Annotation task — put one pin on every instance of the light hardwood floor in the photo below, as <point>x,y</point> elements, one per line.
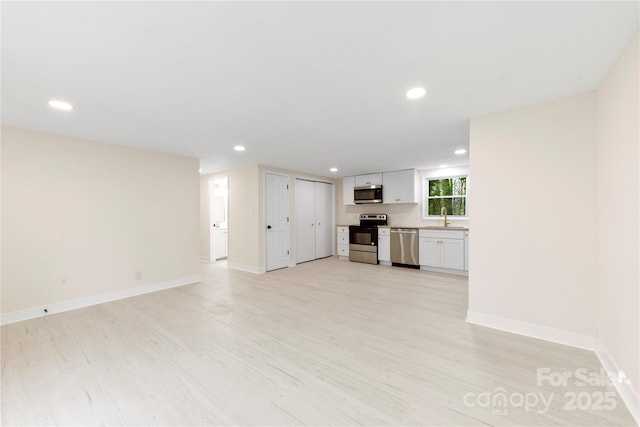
<point>325,343</point>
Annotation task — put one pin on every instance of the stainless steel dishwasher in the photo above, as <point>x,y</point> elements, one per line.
<point>404,247</point>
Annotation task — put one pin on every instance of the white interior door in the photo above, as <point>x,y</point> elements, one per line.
<point>277,221</point>
<point>324,219</point>
<point>305,202</point>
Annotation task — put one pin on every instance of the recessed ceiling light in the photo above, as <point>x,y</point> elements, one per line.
<point>60,105</point>
<point>444,166</point>
<point>416,92</point>
<point>333,170</point>
<point>239,148</point>
<point>460,151</point>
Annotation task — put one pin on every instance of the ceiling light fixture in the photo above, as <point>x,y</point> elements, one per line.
<point>416,92</point>
<point>239,147</point>
<point>333,170</point>
<point>60,105</point>
<point>460,151</point>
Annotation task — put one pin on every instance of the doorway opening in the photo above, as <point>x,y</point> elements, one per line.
<point>218,217</point>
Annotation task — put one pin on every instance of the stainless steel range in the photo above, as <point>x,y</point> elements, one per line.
<point>363,238</point>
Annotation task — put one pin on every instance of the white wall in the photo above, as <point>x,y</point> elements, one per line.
<point>80,218</point>
<point>405,214</point>
<point>618,228</point>
<point>533,249</point>
<point>563,265</point>
<point>244,228</point>
<point>205,232</point>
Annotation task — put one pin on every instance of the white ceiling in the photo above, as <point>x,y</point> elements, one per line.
<point>304,86</point>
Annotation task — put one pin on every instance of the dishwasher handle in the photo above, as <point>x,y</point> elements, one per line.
<point>404,231</point>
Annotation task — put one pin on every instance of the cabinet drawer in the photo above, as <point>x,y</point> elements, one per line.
<point>343,239</point>
<point>442,234</point>
<point>343,229</point>
<point>343,250</point>
<point>384,231</point>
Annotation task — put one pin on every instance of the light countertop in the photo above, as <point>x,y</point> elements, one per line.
<point>424,227</point>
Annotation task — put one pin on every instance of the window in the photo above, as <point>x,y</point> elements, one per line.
<point>448,192</point>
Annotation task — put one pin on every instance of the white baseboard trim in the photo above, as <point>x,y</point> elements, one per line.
<point>627,393</point>
<point>444,270</point>
<point>59,307</point>
<point>249,268</point>
<point>532,330</point>
<point>204,259</point>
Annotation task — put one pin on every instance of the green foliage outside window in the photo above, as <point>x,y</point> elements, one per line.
<point>450,193</point>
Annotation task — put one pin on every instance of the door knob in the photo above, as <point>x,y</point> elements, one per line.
<point>268,227</point>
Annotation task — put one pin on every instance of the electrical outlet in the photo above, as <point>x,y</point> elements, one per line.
<point>138,275</point>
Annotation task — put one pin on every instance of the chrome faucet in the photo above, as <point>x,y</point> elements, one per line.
<point>443,211</point>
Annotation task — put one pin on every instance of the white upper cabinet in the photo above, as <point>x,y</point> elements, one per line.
<point>348,182</point>
<point>401,186</point>
<point>371,179</point>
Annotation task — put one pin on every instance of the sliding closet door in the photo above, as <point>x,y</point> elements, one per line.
<point>324,219</point>
<point>305,207</point>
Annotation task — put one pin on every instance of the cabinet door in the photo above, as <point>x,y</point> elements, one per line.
<point>390,187</point>
<point>369,179</point>
<point>362,180</point>
<point>407,187</point>
<point>400,186</point>
<point>452,254</point>
<point>384,248</point>
<point>375,178</point>
<point>348,182</point>
<point>429,252</point>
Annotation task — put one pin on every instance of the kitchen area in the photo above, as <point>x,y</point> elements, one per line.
<point>412,219</point>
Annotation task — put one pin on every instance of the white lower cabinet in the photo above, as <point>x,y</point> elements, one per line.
<point>384,245</point>
<point>442,250</point>
<point>343,242</point>
<point>429,251</point>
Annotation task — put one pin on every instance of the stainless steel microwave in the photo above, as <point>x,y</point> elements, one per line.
<point>367,194</point>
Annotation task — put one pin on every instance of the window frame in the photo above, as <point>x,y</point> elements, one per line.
<point>426,198</point>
